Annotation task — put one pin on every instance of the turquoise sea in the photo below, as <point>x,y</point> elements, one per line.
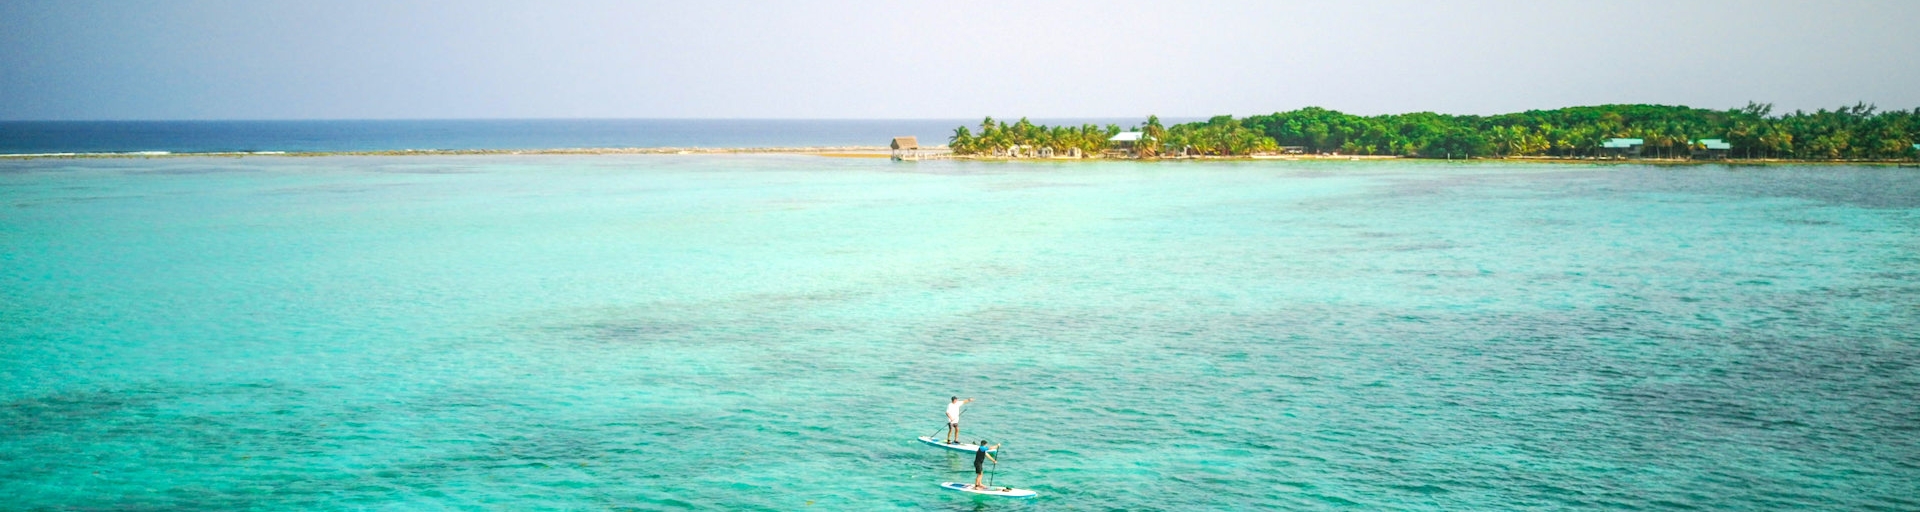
<point>771,332</point>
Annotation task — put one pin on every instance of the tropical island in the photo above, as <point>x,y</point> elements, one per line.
<point>1858,133</point>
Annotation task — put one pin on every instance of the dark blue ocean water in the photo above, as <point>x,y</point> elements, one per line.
<point>27,137</point>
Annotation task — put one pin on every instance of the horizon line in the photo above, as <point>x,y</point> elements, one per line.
<point>1045,117</point>
<point>183,120</point>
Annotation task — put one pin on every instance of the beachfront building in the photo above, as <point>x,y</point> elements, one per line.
<point>1125,143</point>
<point>905,148</point>
<point>1711,148</point>
<point>1620,148</point>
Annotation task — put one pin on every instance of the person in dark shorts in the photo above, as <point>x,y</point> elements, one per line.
<point>953,418</point>
<point>980,457</point>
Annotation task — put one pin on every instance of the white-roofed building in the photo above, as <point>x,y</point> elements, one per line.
<point>1125,142</point>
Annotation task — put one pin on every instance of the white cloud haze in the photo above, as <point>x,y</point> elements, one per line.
<point>723,59</point>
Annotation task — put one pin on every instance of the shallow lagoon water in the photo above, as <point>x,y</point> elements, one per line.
<point>771,332</point>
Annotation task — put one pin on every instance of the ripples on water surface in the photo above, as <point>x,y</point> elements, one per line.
<point>772,331</point>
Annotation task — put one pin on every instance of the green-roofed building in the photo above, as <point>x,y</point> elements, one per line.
<point>1622,147</point>
<point>1711,148</point>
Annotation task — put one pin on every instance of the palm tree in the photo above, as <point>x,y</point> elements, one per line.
<point>1154,135</point>
<point>961,142</point>
<point>1265,144</point>
<point>1503,138</point>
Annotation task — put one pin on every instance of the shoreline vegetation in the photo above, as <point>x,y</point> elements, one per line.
<point>1860,133</point>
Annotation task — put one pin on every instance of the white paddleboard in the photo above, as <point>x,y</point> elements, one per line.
<point>958,447</point>
<point>1007,492</point>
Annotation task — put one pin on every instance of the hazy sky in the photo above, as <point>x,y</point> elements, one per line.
<point>78,59</point>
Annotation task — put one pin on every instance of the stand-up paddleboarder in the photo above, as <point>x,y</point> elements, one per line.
<point>953,418</point>
<point>980,457</point>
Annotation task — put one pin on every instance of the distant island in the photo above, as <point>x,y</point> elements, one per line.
<point>1857,133</point>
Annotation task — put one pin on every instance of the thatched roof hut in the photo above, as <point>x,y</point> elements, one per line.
<point>908,142</point>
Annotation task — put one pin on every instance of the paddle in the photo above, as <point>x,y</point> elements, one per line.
<point>996,466</point>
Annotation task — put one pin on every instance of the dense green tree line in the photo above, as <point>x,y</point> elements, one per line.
<point>1856,132</point>
<point>999,138</point>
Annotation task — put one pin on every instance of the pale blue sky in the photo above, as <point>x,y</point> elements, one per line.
<point>78,59</point>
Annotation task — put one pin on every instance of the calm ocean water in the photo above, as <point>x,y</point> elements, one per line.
<point>771,332</point>
<point>30,137</point>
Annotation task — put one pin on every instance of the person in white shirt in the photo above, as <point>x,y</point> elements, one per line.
<point>953,418</point>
